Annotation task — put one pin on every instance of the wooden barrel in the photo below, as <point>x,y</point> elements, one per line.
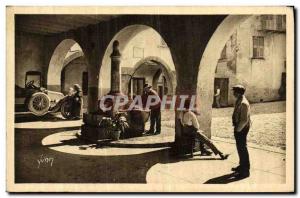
<point>137,119</point>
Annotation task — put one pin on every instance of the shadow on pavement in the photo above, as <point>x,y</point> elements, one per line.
<point>33,118</point>
<point>133,145</point>
<point>108,143</point>
<point>71,168</point>
<point>224,179</point>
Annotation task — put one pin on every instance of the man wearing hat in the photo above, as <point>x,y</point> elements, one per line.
<point>241,124</point>
<point>155,114</point>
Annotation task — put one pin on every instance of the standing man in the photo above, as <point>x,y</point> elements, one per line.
<point>241,124</point>
<point>155,114</point>
<point>218,97</point>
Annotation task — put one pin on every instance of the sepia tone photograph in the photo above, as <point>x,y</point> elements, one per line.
<point>150,99</point>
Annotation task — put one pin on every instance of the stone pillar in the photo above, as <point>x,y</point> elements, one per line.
<point>115,81</point>
<point>189,30</point>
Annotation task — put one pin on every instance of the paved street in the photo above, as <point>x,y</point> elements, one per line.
<point>268,123</point>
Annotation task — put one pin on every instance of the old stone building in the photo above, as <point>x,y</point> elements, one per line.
<point>255,56</point>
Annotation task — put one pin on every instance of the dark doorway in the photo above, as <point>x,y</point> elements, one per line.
<point>282,89</point>
<point>62,80</point>
<point>85,83</point>
<point>160,91</point>
<point>137,86</point>
<point>222,84</point>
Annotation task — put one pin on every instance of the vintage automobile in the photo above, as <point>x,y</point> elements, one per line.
<point>39,101</point>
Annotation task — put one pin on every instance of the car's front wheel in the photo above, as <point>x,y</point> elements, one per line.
<point>39,104</point>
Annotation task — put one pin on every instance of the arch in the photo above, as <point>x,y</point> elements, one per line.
<point>73,57</point>
<point>124,36</point>
<point>166,69</point>
<point>208,64</point>
<point>61,57</point>
<point>156,77</point>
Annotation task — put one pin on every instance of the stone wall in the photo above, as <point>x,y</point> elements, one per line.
<point>73,75</point>
<point>29,56</point>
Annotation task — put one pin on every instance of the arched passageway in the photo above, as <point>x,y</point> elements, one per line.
<point>138,44</point>
<point>188,65</point>
<point>208,64</point>
<point>153,71</point>
<point>67,53</point>
<point>67,67</point>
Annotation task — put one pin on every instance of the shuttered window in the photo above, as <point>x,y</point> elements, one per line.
<point>258,47</point>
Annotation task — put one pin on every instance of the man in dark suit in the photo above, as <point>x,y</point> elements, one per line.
<point>241,123</point>
<point>155,114</point>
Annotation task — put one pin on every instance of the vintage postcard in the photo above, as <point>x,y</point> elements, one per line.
<point>150,99</point>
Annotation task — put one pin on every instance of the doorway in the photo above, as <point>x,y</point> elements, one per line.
<point>222,84</point>
<point>160,91</point>
<point>137,86</point>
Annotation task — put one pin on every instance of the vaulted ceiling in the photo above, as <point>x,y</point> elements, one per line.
<point>52,24</point>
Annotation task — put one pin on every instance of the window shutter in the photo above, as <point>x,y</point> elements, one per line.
<point>258,46</point>
<point>255,54</point>
<point>261,44</point>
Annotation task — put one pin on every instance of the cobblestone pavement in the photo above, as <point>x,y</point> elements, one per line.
<point>268,123</point>
<point>266,129</point>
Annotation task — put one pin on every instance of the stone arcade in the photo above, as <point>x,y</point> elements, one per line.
<point>195,43</point>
